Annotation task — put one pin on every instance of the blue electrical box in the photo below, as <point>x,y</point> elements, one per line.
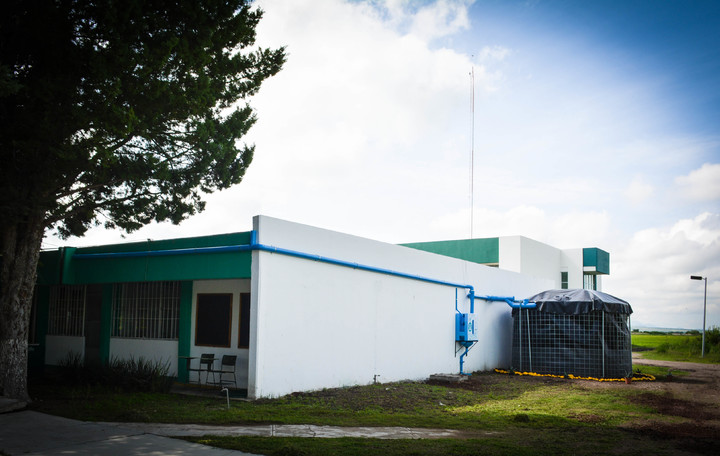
<point>465,327</point>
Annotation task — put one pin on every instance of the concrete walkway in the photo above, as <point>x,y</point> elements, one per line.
<point>37,434</point>
<point>34,434</point>
<point>295,430</point>
<point>10,405</point>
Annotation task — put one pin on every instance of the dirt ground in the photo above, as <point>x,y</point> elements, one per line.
<point>695,396</point>
<point>693,399</point>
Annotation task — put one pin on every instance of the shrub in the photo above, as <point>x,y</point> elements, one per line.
<point>712,337</point>
<point>71,369</point>
<point>122,374</point>
<point>139,375</point>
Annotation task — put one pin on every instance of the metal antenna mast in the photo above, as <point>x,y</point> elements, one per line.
<point>472,154</point>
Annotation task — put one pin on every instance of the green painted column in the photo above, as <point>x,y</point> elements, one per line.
<point>36,355</point>
<point>185,328</point>
<point>106,323</point>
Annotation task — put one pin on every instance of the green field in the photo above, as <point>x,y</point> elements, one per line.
<point>679,347</point>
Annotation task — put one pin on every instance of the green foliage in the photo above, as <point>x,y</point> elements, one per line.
<point>660,373</point>
<point>679,347</point>
<point>712,338</point>
<point>126,375</point>
<point>72,370</point>
<point>117,113</point>
<point>124,112</point>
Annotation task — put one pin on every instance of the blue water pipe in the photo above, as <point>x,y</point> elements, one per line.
<point>511,301</point>
<point>468,345</point>
<point>254,245</point>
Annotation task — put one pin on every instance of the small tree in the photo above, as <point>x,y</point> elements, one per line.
<point>117,113</point>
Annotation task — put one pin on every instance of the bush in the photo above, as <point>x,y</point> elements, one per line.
<point>71,369</point>
<point>122,374</point>
<point>712,337</point>
<point>139,375</point>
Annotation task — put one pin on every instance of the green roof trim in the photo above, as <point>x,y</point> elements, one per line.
<point>218,240</point>
<point>483,251</point>
<point>59,267</point>
<point>598,259</point>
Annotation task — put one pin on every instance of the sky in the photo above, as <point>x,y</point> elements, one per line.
<point>578,124</point>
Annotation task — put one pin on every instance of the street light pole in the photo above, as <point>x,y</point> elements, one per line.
<point>702,355</point>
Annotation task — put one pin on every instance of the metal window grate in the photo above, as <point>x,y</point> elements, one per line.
<point>146,310</point>
<point>590,282</point>
<point>595,344</point>
<point>67,310</point>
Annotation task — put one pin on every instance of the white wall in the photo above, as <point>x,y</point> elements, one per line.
<point>572,259</point>
<point>316,325</point>
<point>162,351</point>
<point>235,287</point>
<point>531,258</point>
<point>58,347</point>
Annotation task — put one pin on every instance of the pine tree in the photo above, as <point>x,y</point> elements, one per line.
<point>116,113</point>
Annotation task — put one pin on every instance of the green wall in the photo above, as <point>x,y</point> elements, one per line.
<point>482,251</point>
<point>106,322</point>
<point>36,352</point>
<point>185,329</point>
<point>600,259</point>
<point>63,267</point>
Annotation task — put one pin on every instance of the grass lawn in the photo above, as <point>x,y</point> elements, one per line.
<point>494,404</point>
<point>570,441</point>
<point>501,414</point>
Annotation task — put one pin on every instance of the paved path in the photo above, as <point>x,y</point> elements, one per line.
<point>298,430</point>
<point>32,433</point>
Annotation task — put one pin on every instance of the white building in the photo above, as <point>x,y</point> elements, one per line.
<point>567,268</point>
<point>301,308</point>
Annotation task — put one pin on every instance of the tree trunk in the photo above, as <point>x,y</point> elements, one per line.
<point>19,252</point>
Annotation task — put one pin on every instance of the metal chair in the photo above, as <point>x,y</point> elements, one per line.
<point>227,367</point>
<point>206,360</point>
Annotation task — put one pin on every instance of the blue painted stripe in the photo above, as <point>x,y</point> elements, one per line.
<point>254,245</point>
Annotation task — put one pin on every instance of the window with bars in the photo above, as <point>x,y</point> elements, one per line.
<point>67,310</point>
<point>146,310</point>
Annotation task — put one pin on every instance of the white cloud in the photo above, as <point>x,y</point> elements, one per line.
<point>428,21</point>
<point>568,230</point>
<point>440,19</point>
<point>702,184</point>
<point>652,270</point>
<point>494,53</point>
<point>639,191</point>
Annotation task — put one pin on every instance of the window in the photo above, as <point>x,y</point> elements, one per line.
<point>590,282</point>
<point>213,319</point>
<point>67,310</point>
<point>146,310</point>
<point>564,280</point>
<point>244,325</point>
